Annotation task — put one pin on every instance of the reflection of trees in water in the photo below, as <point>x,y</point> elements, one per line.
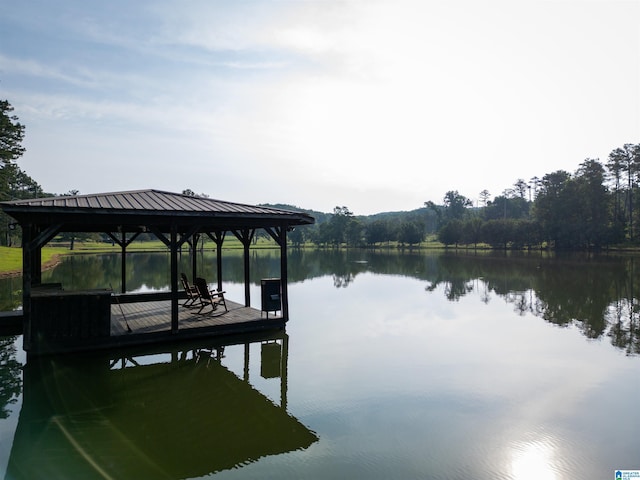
<point>343,281</point>
<point>454,289</point>
<point>10,293</point>
<point>10,374</point>
<point>595,294</point>
<point>625,325</point>
<point>623,315</point>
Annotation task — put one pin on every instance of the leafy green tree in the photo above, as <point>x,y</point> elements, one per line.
<point>534,183</point>
<point>614,168</point>
<point>336,229</point>
<point>593,217</point>
<point>626,159</point>
<point>11,134</point>
<point>437,212</point>
<point>484,197</point>
<point>14,183</point>
<point>497,233</point>
<point>353,233</point>
<point>524,233</point>
<point>411,232</point>
<point>451,233</point>
<point>472,231</point>
<point>573,210</point>
<point>549,211</point>
<point>455,205</point>
<point>520,188</point>
<point>378,231</point>
<point>296,236</point>
<point>505,207</point>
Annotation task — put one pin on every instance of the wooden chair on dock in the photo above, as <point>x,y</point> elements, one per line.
<point>191,291</point>
<point>209,297</point>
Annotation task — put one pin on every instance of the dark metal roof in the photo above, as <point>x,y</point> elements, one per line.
<point>105,210</point>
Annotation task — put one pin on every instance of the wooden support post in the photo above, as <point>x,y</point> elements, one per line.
<point>284,365</point>
<point>124,243</point>
<point>284,277</point>
<point>174,278</point>
<point>36,264</point>
<point>247,278</point>
<point>219,240</point>
<point>246,236</point>
<point>194,258</point>
<point>27,269</point>
<point>123,263</point>
<point>246,362</point>
<point>34,237</point>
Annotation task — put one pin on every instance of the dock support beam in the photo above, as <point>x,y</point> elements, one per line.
<point>194,259</point>
<point>246,236</point>
<point>27,275</point>
<point>174,279</point>
<point>173,244</point>
<point>34,237</point>
<point>283,273</point>
<point>123,243</point>
<point>218,239</point>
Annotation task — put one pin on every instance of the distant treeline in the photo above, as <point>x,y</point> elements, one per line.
<point>592,208</point>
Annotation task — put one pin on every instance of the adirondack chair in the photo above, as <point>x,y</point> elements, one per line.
<point>191,291</point>
<point>209,298</point>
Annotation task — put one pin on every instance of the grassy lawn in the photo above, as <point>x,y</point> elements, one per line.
<point>11,257</point>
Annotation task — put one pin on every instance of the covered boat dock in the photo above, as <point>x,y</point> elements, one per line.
<point>57,320</point>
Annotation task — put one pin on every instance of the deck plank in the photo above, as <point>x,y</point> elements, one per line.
<point>151,317</point>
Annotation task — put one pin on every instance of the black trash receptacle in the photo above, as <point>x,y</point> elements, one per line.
<point>271,296</point>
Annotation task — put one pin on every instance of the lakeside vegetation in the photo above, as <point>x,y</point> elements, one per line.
<point>593,208</point>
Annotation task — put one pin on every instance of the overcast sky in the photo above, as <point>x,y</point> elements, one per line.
<point>374,105</point>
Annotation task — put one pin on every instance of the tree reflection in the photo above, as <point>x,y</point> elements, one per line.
<point>454,289</point>
<point>343,281</point>
<point>623,317</point>
<point>10,374</point>
<point>595,294</point>
<point>10,293</point>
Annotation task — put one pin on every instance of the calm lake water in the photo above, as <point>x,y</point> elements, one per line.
<point>413,365</point>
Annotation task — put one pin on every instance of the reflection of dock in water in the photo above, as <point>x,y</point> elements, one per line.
<point>184,416</point>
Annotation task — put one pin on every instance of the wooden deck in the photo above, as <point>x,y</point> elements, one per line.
<point>150,323</point>
<point>155,317</point>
